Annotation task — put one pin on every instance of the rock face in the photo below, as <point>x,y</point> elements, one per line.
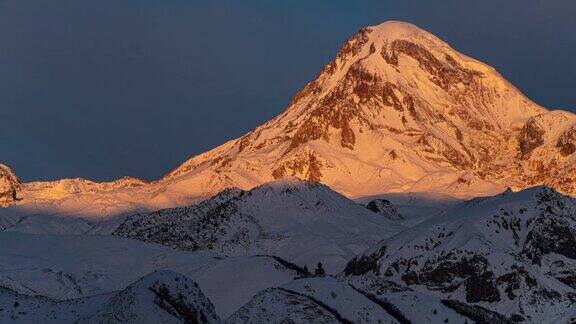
<point>512,253</point>
<point>10,185</point>
<point>303,222</point>
<point>567,141</point>
<point>385,208</point>
<point>531,137</point>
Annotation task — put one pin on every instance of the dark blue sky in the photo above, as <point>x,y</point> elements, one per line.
<point>101,89</point>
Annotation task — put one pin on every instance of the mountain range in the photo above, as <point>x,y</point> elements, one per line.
<point>300,221</point>
<point>406,183</point>
<point>396,111</point>
<point>513,253</point>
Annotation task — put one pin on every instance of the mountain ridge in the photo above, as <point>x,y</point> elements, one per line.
<point>301,221</point>
<point>396,111</point>
<point>512,253</point>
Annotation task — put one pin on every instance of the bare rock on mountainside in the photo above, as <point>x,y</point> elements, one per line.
<point>385,208</point>
<point>514,253</point>
<point>9,186</point>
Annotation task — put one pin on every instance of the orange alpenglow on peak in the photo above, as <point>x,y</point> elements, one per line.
<point>396,111</point>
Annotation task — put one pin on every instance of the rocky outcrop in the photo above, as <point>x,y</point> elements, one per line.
<point>531,136</point>
<point>10,185</point>
<point>567,142</point>
<point>385,208</point>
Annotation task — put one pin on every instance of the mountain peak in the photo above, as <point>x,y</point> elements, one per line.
<point>397,30</point>
<point>290,183</point>
<point>394,93</point>
<point>396,111</point>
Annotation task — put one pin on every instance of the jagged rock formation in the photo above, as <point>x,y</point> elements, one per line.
<point>385,208</point>
<point>514,253</point>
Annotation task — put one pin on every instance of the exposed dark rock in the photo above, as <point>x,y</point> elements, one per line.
<point>531,136</point>
<point>567,142</point>
<point>363,264</point>
<point>305,166</point>
<point>385,208</point>
<point>481,288</point>
<point>10,185</point>
<point>446,275</point>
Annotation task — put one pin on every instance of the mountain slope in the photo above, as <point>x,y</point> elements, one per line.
<point>514,253</point>
<point>301,221</point>
<point>277,305</point>
<point>68,267</point>
<point>349,303</point>
<point>161,297</point>
<point>396,111</point>
<point>332,300</point>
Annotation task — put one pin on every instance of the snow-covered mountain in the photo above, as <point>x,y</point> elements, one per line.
<point>398,121</point>
<point>301,221</point>
<point>64,267</point>
<point>76,276</point>
<point>312,300</point>
<point>513,253</point>
<point>160,297</point>
<point>396,111</point>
